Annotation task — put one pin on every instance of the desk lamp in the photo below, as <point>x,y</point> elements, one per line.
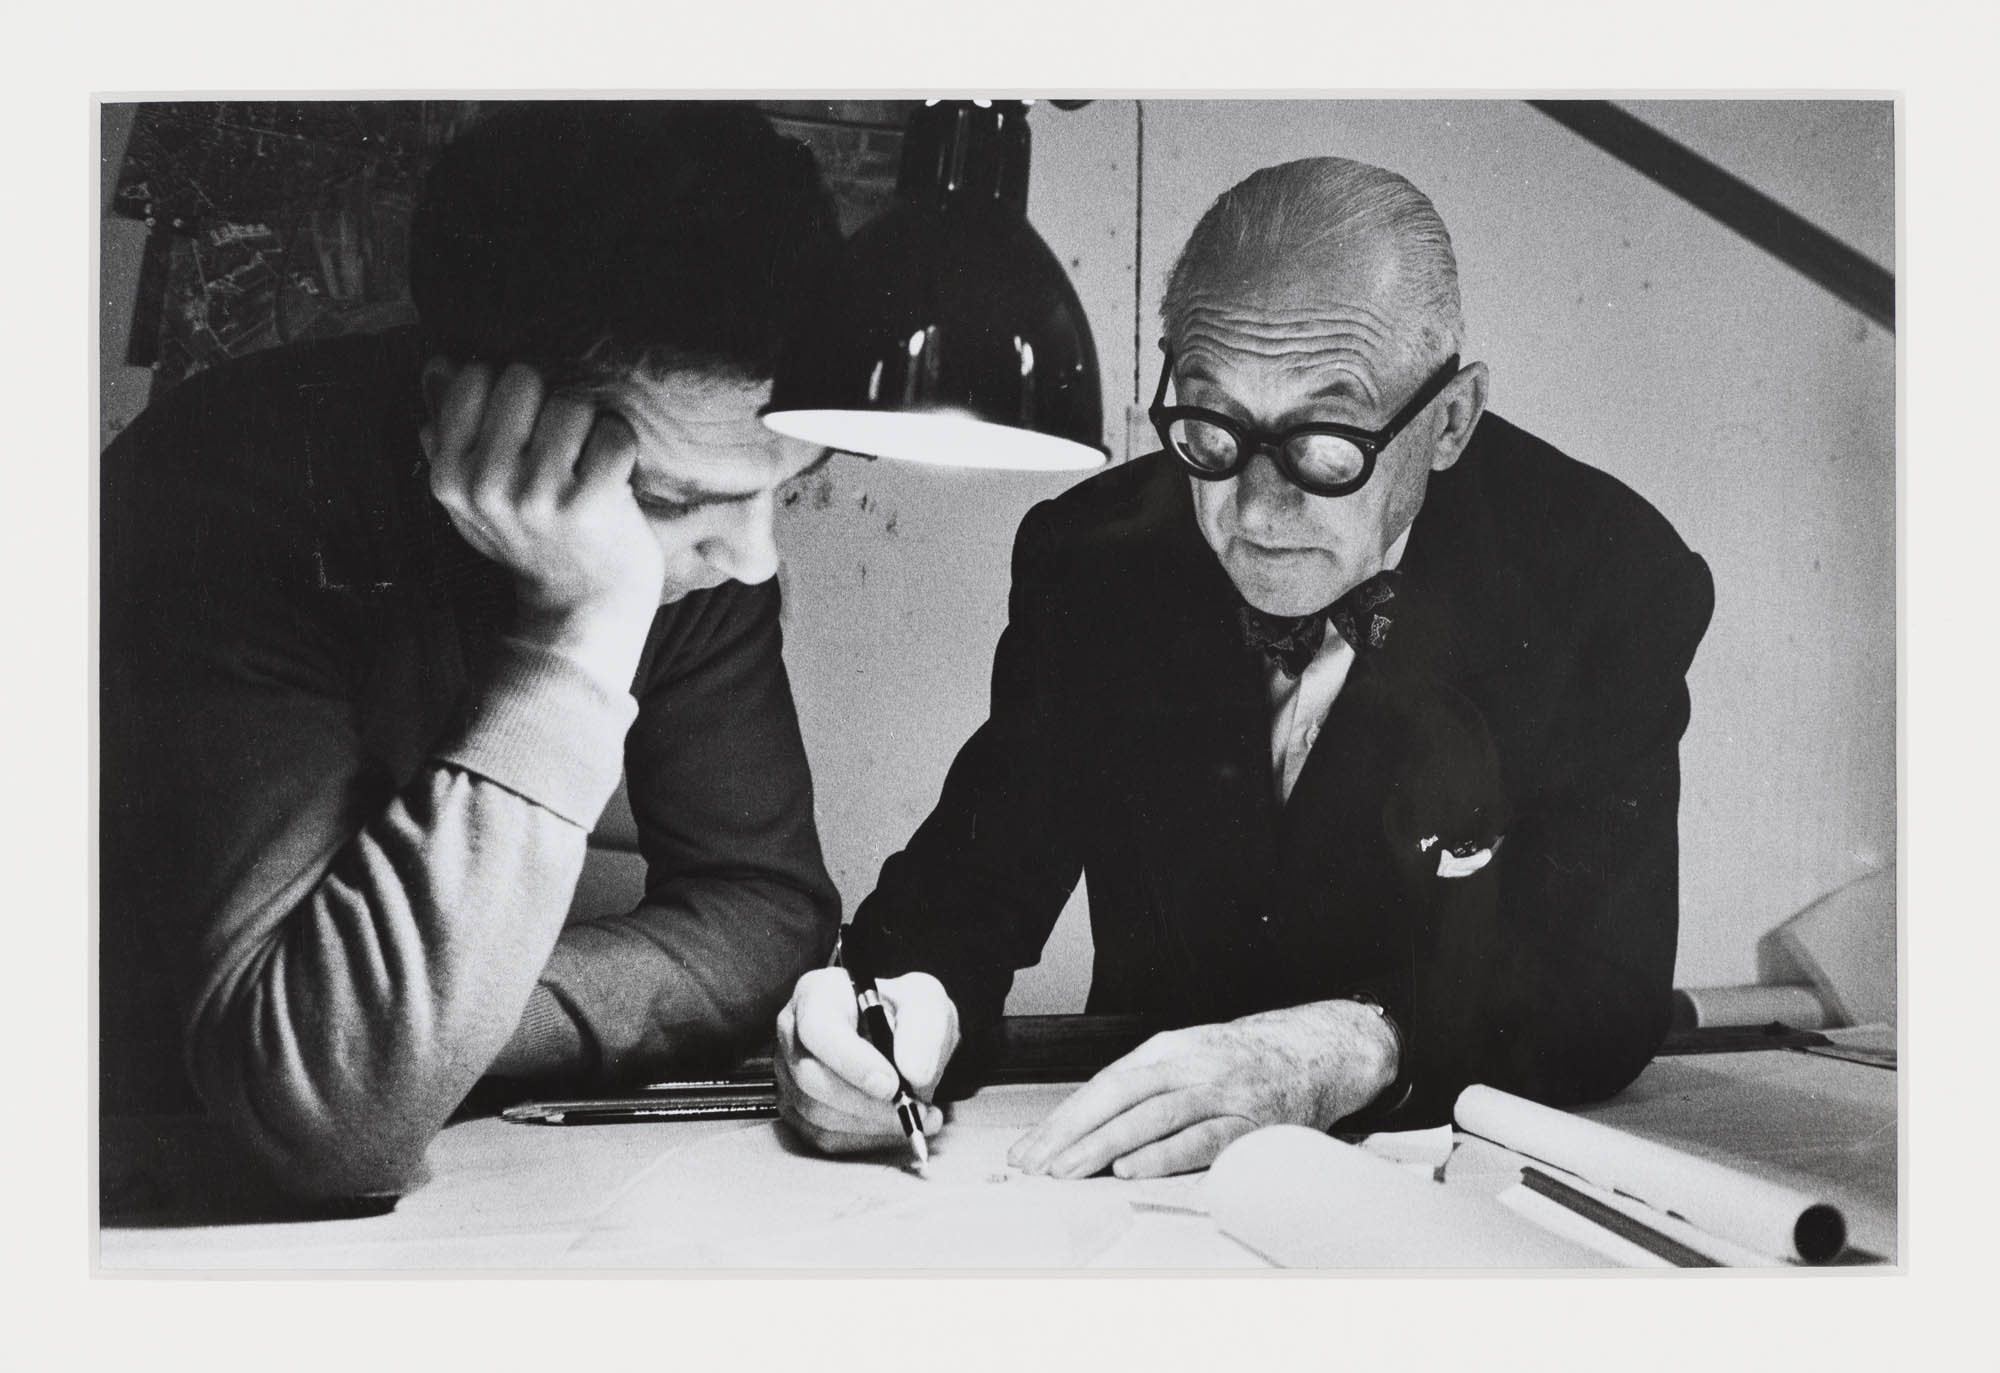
<point>955,338</point>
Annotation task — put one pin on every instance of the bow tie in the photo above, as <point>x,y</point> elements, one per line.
<point>1289,642</point>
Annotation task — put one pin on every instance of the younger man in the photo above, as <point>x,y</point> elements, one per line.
<point>375,626</point>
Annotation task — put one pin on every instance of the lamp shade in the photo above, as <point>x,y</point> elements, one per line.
<point>954,337</point>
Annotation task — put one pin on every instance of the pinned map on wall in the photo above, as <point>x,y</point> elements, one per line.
<point>272,221</point>
<point>275,222</point>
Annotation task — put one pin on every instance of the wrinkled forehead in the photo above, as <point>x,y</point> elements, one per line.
<point>1317,318</point>
<point>695,396</point>
<point>704,429</point>
<point>1328,280</point>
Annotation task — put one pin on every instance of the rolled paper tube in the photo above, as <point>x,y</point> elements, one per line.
<point>1798,1007</point>
<point>1766,1217</point>
<point>1305,1200</point>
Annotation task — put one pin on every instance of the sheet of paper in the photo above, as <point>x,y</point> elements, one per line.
<point>1423,1152</point>
<point>1305,1200</point>
<point>755,1198</point>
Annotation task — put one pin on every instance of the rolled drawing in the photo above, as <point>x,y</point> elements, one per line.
<point>1305,1200</point>
<point>1798,1007</point>
<point>1763,1216</point>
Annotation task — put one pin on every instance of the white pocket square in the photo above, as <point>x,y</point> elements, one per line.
<point>1451,865</point>
<point>1459,864</point>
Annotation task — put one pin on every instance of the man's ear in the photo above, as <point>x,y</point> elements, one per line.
<point>438,373</point>
<point>1462,402</point>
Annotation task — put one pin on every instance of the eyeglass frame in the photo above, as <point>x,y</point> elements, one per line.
<point>1251,440</point>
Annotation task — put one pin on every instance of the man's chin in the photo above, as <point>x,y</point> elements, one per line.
<point>1283,599</point>
<point>679,591</point>
<point>1294,581</point>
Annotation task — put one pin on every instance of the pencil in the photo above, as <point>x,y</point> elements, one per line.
<point>1616,1221</point>
<point>713,1104</point>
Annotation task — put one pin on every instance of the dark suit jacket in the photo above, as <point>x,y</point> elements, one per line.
<point>1532,693</point>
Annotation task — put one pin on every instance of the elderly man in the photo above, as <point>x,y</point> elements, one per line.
<point>1358,706</point>
<point>360,710</point>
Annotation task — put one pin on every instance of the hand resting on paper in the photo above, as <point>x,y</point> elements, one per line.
<point>833,1087</point>
<point>1171,1104</point>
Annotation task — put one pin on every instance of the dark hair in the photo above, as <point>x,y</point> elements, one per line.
<point>597,239</point>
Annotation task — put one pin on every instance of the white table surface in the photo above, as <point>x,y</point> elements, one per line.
<point>521,1197</point>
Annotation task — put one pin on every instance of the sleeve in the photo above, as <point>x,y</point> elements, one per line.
<point>1550,974</point>
<point>738,904</point>
<point>347,956</point>
<point>983,880</point>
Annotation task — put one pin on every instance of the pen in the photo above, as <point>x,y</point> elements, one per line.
<point>1614,1220</point>
<point>875,1026</point>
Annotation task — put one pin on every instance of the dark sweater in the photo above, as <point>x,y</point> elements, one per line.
<point>343,815</point>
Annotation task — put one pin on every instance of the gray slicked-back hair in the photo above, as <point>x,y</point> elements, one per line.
<point>1315,209</point>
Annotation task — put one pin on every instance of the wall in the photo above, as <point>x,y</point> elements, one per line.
<point>896,576</point>
<point>1753,409</point>
<point>123,390</point>
<point>1757,412</point>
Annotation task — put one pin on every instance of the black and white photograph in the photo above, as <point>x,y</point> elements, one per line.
<point>998,687</point>
<point>998,684</point>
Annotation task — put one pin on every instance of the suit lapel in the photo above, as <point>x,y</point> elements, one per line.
<point>1487,610</point>
<point>1495,629</point>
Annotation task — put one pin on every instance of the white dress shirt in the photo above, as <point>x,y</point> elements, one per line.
<point>1299,704</point>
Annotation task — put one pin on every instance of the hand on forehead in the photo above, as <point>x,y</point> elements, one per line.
<point>704,433</point>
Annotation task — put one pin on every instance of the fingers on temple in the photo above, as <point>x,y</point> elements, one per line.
<point>511,409</point>
<point>461,404</point>
<point>561,429</point>
<point>610,451</point>
<point>494,462</point>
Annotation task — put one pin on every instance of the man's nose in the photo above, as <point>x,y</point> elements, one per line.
<point>744,547</point>
<point>1264,498</point>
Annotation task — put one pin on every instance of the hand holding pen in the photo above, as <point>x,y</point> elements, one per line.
<point>840,1091</point>
<point>875,1028</point>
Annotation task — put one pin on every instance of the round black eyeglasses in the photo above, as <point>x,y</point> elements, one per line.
<point>1323,459</point>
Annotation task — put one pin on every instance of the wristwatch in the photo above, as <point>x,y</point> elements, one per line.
<point>1400,1086</point>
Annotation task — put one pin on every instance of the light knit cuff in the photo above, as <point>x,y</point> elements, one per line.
<point>547,1040</point>
<point>544,728</point>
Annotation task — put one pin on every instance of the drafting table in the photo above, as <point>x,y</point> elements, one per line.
<point>709,1194</point>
